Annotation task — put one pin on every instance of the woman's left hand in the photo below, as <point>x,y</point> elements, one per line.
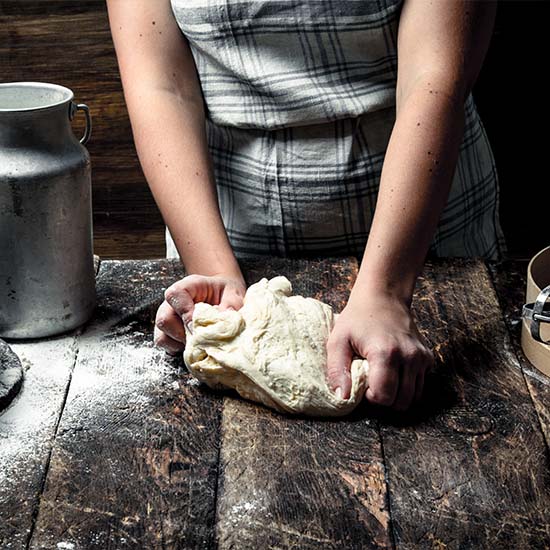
<point>382,330</point>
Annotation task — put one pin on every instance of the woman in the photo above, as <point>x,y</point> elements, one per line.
<point>276,127</point>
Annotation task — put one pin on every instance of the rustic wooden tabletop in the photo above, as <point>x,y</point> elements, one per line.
<point>111,444</point>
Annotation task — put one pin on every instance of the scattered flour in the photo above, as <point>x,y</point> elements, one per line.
<point>243,508</point>
<point>244,512</point>
<point>26,425</point>
<point>117,372</point>
<point>239,512</point>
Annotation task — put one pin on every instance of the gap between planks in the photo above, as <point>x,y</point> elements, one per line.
<point>53,439</point>
<point>299,482</point>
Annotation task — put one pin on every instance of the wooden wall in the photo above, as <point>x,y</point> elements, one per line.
<point>68,42</point>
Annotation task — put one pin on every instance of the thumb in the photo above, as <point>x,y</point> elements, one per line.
<point>339,355</point>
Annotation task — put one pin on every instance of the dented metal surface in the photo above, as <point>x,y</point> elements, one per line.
<point>47,283</point>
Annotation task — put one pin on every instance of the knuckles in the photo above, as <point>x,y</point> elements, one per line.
<point>161,340</point>
<point>191,280</point>
<point>388,354</point>
<point>171,294</point>
<point>180,295</point>
<point>334,370</point>
<point>418,356</point>
<point>163,315</point>
<point>161,322</point>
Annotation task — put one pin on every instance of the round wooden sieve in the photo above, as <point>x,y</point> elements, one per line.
<point>538,277</point>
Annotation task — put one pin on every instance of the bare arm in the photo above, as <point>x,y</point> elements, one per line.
<point>441,46</point>
<point>165,104</point>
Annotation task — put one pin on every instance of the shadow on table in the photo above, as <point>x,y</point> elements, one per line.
<point>461,393</point>
<point>453,392</point>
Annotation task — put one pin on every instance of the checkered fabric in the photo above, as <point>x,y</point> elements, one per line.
<point>300,105</point>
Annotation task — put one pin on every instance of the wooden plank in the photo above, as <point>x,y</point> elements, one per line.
<point>295,482</point>
<point>30,30</point>
<point>27,432</point>
<point>85,61</point>
<point>14,8</point>
<point>469,469</point>
<point>135,461</point>
<point>510,280</point>
<point>117,238</point>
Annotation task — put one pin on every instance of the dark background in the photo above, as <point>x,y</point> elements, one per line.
<point>513,102</point>
<point>68,42</point>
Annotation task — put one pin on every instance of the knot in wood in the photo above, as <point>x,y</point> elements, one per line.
<point>468,421</point>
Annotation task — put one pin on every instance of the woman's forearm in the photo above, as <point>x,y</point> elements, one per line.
<point>416,178</point>
<point>169,132</point>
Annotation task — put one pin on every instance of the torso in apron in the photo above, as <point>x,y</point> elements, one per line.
<point>300,104</point>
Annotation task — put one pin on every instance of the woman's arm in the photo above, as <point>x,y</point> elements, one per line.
<point>441,46</point>
<point>165,104</point>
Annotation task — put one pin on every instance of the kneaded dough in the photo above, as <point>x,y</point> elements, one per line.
<point>273,350</point>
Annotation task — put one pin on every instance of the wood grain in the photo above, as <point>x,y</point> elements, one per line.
<point>470,468</point>
<point>27,433</point>
<point>31,49</point>
<point>510,281</point>
<point>295,482</point>
<point>135,461</point>
<point>69,43</point>
<point>143,458</point>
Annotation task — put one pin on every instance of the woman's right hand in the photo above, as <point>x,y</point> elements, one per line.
<point>180,300</point>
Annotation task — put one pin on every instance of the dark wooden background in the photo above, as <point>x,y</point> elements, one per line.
<point>68,42</point>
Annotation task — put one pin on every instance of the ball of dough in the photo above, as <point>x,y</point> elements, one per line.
<point>273,351</point>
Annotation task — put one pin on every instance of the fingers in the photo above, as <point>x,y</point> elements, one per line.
<point>407,383</point>
<point>231,300</point>
<point>170,323</point>
<point>419,385</point>
<point>173,347</point>
<point>383,377</point>
<point>396,378</point>
<point>169,332</point>
<point>180,299</point>
<point>339,355</point>
<point>426,367</point>
<point>182,295</point>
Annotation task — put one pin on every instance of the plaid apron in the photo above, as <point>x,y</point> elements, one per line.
<point>300,104</point>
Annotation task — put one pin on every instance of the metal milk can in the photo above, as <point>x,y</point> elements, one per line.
<point>47,279</point>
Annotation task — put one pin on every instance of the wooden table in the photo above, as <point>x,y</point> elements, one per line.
<point>112,444</point>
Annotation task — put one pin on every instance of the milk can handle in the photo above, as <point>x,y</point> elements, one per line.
<point>88,130</point>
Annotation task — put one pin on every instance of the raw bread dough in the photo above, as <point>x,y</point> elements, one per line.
<point>273,350</point>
